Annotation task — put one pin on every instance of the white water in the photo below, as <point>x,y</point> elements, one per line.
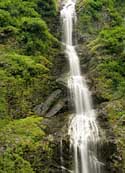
<point>83,129</point>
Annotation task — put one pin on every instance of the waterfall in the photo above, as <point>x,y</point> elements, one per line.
<point>83,129</point>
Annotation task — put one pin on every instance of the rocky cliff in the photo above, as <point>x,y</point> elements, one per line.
<point>35,105</point>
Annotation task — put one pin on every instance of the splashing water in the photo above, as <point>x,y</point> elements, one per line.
<point>83,129</point>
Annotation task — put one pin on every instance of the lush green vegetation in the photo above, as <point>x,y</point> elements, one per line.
<point>102,22</point>
<point>26,54</point>
<point>23,144</point>
<point>27,51</point>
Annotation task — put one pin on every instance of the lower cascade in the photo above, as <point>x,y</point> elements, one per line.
<point>83,128</point>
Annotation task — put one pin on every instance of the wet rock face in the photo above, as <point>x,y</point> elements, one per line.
<point>52,105</point>
<point>61,158</point>
<point>62,80</point>
<point>114,132</point>
<point>56,108</point>
<point>56,133</point>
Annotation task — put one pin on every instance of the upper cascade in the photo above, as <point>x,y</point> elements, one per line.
<point>68,14</point>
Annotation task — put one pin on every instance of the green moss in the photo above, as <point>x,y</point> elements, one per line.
<point>22,131</point>
<point>20,76</point>
<point>116,116</point>
<point>12,163</point>
<point>5,18</point>
<point>27,53</point>
<point>111,40</point>
<point>34,36</point>
<point>32,33</point>
<point>22,139</point>
<point>110,79</point>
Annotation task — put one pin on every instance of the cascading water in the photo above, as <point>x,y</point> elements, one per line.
<point>83,129</point>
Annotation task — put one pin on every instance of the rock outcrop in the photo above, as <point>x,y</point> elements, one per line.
<point>43,108</point>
